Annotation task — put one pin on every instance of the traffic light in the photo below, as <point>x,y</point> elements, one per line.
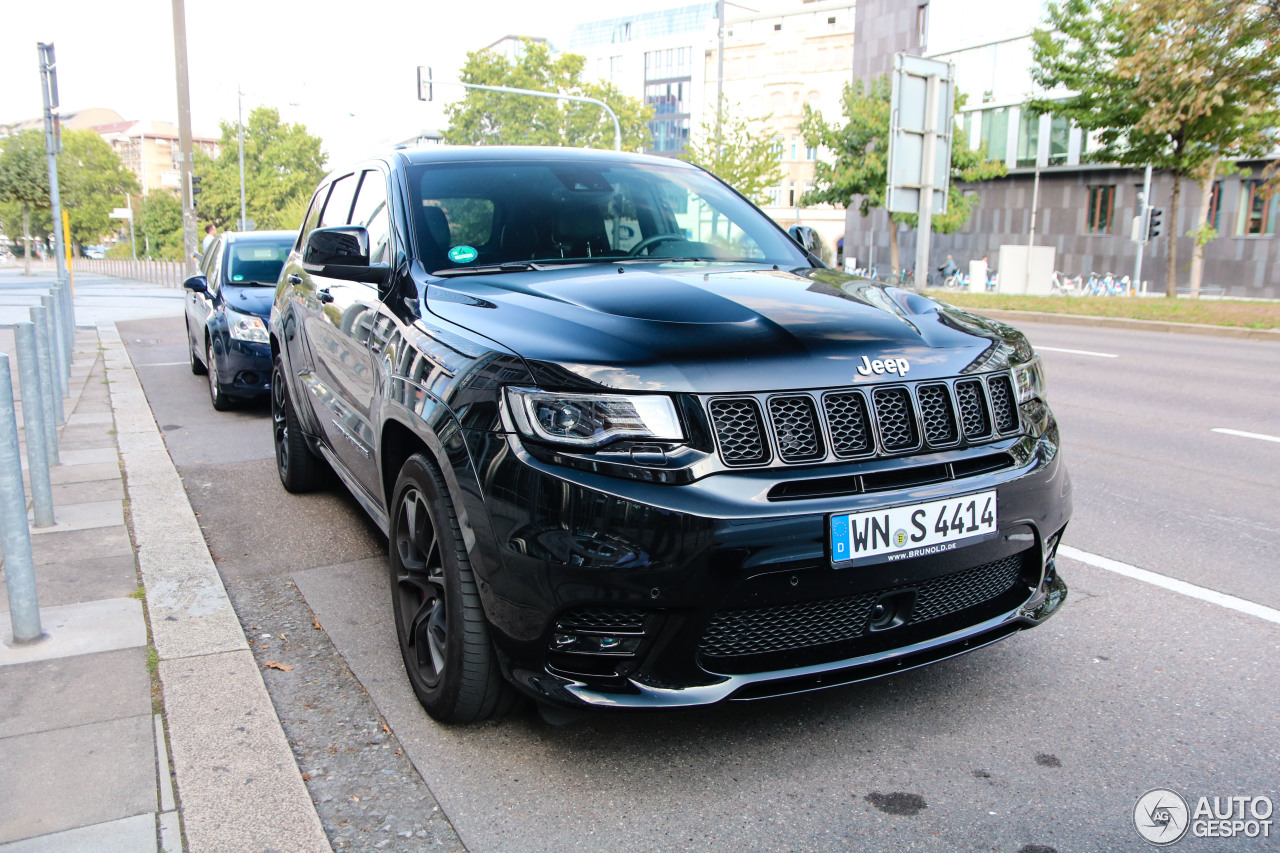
<point>1153,223</point>
<point>196,189</point>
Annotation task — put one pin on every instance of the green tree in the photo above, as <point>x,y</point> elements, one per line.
<point>92,180</point>
<point>503,118</point>
<point>1179,85</point>
<point>860,146</point>
<point>282,165</point>
<point>743,156</point>
<point>24,185</point>
<point>159,226</point>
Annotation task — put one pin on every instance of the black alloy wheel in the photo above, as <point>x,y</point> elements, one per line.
<point>197,366</point>
<point>300,470</point>
<point>221,402</point>
<point>440,623</point>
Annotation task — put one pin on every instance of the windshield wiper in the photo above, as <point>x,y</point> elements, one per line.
<point>492,269</point>
<point>254,283</point>
<point>657,259</point>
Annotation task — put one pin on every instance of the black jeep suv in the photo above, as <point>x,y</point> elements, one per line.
<point>633,447</point>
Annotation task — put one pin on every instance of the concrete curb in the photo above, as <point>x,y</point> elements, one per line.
<point>1131,325</point>
<point>238,783</point>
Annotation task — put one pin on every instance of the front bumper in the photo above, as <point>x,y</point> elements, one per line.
<point>609,593</point>
<point>245,366</point>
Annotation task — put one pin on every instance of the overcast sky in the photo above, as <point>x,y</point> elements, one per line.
<point>346,70</point>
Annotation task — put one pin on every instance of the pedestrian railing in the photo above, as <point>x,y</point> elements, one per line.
<point>165,273</point>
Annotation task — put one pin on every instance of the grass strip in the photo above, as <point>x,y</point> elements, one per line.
<point>1209,312</point>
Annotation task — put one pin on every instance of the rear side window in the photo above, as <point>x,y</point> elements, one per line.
<point>371,211</point>
<point>338,206</point>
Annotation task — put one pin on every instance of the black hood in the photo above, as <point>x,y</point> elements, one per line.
<point>716,328</point>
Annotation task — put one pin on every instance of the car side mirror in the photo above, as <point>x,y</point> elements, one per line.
<point>806,238</point>
<point>197,284</point>
<point>342,251</point>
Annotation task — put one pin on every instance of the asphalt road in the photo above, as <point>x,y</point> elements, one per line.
<point>1043,742</point>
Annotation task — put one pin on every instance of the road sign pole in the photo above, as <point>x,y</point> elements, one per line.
<point>184,134</point>
<point>49,93</point>
<point>1143,220</point>
<point>927,167</point>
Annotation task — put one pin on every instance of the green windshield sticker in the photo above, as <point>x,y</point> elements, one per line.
<point>462,254</point>
<point>237,278</point>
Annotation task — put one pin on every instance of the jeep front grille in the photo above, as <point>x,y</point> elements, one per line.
<point>813,426</point>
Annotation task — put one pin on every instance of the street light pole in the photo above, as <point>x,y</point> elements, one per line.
<point>240,140</point>
<point>617,128</point>
<point>184,133</point>
<point>52,145</point>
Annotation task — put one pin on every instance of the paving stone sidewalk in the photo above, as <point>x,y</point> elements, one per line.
<point>140,722</point>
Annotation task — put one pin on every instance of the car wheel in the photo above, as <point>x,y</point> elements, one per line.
<point>300,470</point>
<point>221,402</point>
<point>197,366</point>
<point>440,624</point>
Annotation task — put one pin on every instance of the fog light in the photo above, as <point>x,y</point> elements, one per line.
<point>595,644</point>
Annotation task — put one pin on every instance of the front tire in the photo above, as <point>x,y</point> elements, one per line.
<point>197,367</point>
<point>440,624</point>
<point>300,470</point>
<point>221,402</point>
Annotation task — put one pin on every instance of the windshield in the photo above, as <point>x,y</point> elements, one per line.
<point>473,215</point>
<point>258,260</point>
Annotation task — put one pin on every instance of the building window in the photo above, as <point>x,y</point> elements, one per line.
<point>1259,209</point>
<point>622,32</point>
<point>1215,203</point>
<point>777,145</point>
<point>1028,140</point>
<point>1059,137</point>
<point>831,21</point>
<point>811,153</point>
<point>793,148</point>
<point>995,133</point>
<point>777,27</point>
<point>775,196</point>
<point>922,24</point>
<point>1102,203</point>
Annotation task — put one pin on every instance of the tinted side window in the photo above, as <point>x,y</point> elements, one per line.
<point>371,212</point>
<point>214,276</point>
<point>313,216</point>
<point>339,203</point>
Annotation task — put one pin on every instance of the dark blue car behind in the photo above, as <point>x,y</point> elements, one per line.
<point>227,312</point>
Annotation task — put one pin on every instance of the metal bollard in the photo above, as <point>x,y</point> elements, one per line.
<point>15,536</point>
<point>69,315</point>
<point>44,363</point>
<point>24,335</point>
<point>60,378</point>
<point>51,335</point>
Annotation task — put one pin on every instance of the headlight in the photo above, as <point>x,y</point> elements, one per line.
<point>590,420</point>
<point>246,327</point>
<point>1028,378</point>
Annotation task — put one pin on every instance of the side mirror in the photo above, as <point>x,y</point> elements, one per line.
<point>806,238</point>
<point>197,284</point>
<point>342,252</point>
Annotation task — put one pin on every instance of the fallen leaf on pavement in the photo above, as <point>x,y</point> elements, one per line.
<point>275,664</point>
<point>315,622</point>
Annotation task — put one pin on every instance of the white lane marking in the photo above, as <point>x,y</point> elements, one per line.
<point>1256,435</point>
<point>1079,352</point>
<point>1172,584</point>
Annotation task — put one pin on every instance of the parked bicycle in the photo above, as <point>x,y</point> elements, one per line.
<point>1064,285</point>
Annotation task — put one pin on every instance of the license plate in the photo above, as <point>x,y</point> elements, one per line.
<point>915,530</point>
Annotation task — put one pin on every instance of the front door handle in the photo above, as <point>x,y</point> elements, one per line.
<point>293,278</point>
<point>324,295</point>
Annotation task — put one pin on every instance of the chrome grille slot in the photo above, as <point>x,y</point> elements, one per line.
<point>896,419</point>
<point>973,408</point>
<point>738,431</point>
<point>848,422</point>
<point>795,425</point>
<point>936,414</point>
<point>1002,403</point>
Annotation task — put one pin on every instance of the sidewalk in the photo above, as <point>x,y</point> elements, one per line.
<point>141,722</point>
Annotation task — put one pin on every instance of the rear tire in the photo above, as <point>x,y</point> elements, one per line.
<point>440,624</point>
<point>300,470</point>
